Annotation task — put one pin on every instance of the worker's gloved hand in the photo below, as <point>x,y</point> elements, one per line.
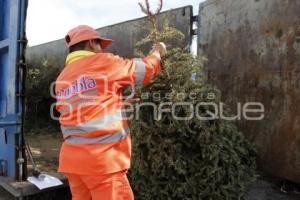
<point>159,49</point>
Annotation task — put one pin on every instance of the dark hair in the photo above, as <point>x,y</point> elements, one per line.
<point>79,46</point>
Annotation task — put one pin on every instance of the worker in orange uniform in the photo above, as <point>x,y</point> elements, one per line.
<point>96,151</point>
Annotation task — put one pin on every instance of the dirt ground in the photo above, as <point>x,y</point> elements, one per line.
<point>260,190</point>
<point>45,149</point>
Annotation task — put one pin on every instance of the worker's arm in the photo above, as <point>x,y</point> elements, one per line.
<point>140,71</point>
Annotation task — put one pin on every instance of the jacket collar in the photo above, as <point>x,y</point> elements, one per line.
<point>76,55</point>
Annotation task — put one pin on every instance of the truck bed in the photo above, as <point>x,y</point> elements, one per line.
<point>45,149</point>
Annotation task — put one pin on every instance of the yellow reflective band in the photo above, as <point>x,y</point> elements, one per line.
<point>76,55</point>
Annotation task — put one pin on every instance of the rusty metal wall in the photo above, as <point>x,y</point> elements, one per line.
<point>253,47</point>
<point>124,34</point>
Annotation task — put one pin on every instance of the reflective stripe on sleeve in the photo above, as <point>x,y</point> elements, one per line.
<point>98,140</point>
<point>140,71</point>
<point>93,125</point>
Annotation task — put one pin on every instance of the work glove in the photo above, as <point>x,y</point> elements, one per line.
<point>159,49</point>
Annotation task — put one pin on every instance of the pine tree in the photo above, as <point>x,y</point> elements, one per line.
<point>186,159</point>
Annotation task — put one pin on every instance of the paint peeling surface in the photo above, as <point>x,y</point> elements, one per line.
<point>253,47</point>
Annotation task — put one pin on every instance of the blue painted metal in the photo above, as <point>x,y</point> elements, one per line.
<point>12,70</point>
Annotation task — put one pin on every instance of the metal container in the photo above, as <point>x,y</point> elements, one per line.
<point>12,69</point>
<point>253,48</point>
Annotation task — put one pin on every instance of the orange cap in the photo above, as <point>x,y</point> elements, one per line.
<point>83,33</point>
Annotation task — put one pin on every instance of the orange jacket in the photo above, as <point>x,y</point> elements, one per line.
<point>89,99</point>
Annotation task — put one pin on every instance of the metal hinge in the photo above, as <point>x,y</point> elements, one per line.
<point>195,18</point>
<point>20,95</point>
<point>195,25</point>
<point>194,31</point>
<point>21,63</point>
<point>24,41</point>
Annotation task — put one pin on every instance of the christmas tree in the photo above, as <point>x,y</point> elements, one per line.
<point>182,148</point>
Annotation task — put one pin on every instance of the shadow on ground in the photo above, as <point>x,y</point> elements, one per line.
<point>267,189</point>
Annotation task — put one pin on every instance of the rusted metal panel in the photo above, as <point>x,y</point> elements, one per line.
<point>125,35</point>
<point>253,47</point>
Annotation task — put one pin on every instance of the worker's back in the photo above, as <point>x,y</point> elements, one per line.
<point>90,102</point>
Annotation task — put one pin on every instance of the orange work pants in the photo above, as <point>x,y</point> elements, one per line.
<point>105,187</point>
